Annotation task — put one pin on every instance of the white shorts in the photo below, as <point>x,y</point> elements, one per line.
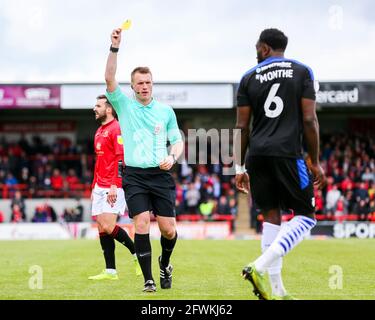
<point>100,204</point>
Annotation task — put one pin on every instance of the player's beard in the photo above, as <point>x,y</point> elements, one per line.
<point>260,58</point>
<point>102,118</point>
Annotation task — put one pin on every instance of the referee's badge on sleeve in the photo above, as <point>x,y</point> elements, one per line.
<point>119,139</point>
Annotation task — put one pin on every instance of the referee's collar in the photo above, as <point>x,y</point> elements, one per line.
<point>140,105</point>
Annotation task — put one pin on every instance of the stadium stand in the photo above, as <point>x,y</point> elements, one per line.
<point>64,170</point>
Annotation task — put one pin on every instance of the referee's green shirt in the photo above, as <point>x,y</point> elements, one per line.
<point>144,129</point>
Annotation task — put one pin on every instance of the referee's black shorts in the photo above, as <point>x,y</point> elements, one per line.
<point>149,189</point>
<point>284,183</point>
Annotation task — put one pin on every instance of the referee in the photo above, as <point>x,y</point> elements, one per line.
<point>147,125</point>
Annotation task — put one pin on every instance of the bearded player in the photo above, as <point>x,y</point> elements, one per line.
<point>108,200</point>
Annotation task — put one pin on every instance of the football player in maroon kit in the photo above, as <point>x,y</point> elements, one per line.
<point>108,200</point>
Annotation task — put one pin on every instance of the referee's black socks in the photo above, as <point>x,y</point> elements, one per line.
<point>166,249</point>
<point>121,236</point>
<point>143,250</point>
<point>108,247</point>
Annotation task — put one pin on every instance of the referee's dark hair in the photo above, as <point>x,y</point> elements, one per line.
<point>275,38</point>
<point>103,96</point>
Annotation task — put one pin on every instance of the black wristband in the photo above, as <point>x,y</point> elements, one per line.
<point>113,49</point>
<point>174,158</point>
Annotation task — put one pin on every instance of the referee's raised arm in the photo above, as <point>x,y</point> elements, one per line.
<point>110,70</point>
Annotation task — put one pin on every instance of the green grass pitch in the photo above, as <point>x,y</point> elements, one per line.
<point>203,269</point>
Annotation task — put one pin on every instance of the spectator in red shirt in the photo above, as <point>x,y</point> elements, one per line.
<point>72,179</point>
<point>17,215</point>
<point>347,184</point>
<point>57,180</point>
<point>15,150</point>
<point>341,207</point>
<point>19,201</point>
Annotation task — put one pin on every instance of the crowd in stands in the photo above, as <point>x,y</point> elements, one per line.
<point>39,170</point>
<point>62,169</point>
<point>349,163</point>
<point>44,212</point>
<point>204,192</point>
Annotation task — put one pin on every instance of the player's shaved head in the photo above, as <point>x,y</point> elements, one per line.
<point>272,42</point>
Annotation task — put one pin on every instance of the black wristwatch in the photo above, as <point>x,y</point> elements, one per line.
<point>113,49</point>
<point>174,158</point>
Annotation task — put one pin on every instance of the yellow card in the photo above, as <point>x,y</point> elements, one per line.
<point>126,25</point>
